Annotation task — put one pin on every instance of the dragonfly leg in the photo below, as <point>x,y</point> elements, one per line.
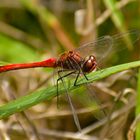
<point>75,82</point>
<point>61,78</point>
<point>79,70</point>
<point>75,117</point>
<point>85,76</point>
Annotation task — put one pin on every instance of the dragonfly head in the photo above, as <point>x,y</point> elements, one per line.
<point>89,64</point>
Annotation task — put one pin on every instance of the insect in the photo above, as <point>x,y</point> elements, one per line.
<point>82,60</point>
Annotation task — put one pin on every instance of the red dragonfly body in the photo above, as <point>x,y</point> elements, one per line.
<point>47,63</point>
<point>70,61</point>
<point>84,58</point>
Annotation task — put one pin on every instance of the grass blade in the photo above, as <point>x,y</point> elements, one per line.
<point>36,97</point>
<point>138,107</point>
<point>118,19</point>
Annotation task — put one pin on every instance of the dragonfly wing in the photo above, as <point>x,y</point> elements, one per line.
<point>107,45</point>
<point>126,39</point>
<point>97,48</point>
<point>121,42</point>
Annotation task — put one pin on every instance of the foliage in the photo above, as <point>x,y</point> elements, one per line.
<point>36,30</point>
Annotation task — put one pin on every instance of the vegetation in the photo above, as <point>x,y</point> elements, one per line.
<point>107,105</point>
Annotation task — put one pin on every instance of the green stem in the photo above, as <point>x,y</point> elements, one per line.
<point>36,97</point>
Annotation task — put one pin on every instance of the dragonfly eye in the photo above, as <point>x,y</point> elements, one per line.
<point>89,64</point>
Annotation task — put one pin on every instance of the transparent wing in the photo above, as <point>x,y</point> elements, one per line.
<point>96,48</point>
<point>109,44</point>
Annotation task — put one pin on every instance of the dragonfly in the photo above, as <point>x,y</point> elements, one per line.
<point>82,60</point>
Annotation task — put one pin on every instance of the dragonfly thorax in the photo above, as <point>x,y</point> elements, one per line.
<point>74,61</point>
<point>71,61</point>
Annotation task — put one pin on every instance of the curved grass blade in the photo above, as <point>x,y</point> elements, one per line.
<point>36,97</point>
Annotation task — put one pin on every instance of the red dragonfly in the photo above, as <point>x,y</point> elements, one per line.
<point>81,60</point>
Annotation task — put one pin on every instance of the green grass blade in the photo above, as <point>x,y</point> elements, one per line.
<point>116,16</point>
<point>36,97</point>
<point>138,107</point>
<point>118,19</point>
<point>10,50</point>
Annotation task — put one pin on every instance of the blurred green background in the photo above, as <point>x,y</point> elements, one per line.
<point>34,30</point>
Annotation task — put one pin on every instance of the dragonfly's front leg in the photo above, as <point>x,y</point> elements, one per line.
<point>75,117</point>
<point>61,78</point>
<point>75,82</point>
